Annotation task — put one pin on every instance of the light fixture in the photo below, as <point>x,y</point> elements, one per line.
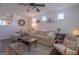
<point>32,11</point>
<point>60,16</point>
<point>44,18</point>
<point>75,32</point>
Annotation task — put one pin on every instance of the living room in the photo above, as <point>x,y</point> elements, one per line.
<point>44,23</point>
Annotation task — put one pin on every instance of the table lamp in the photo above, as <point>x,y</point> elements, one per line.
<point>75,32</point>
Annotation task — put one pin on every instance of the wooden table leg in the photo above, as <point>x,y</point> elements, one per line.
<point>36,43</point>
<point>29,47</point>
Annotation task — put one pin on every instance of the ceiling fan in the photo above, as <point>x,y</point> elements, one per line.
<point>33,5</point>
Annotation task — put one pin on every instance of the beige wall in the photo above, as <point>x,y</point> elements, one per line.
<point>13,27</point>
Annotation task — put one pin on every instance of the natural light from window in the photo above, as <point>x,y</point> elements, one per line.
<point>43,18</point>
<point>33,19</point>
<point>60,16</point>
<point>2,22</point>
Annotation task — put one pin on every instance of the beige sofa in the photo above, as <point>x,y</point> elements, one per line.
<point>42,37</point>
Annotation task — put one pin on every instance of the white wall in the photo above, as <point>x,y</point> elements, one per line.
<point>49,26</point>
<point>7,31</point>
<point>70,22</point>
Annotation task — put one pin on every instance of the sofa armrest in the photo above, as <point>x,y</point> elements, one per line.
<point>71,46</point>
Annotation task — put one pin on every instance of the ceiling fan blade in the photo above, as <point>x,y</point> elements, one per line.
<point>40,5</point>
<point>23,4</point>
<point>38,10</point>
<point>34,4</point>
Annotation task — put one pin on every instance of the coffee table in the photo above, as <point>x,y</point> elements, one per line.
<point>28,41</point>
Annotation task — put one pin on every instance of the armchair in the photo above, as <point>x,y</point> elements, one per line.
<point>69,46</point>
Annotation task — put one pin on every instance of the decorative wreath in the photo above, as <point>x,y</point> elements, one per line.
<point>21,22</point>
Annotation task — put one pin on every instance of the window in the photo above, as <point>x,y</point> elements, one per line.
<point>33,19</point>
<point>60,16</point>
<point>33,22</point>
<point>43,18</point>
<point>2,22</point>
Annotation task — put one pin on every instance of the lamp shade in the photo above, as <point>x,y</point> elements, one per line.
<point>75,32</point>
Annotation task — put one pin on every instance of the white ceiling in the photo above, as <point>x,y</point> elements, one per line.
<point>12,8</point>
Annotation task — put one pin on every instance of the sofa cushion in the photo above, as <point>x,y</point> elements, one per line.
<point>61,49</point>
<point>41,33</point>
